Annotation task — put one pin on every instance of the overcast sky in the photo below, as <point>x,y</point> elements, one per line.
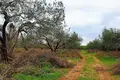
<point>89,17</point>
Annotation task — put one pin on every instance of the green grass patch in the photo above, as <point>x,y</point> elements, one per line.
<point>84,78</point>
<point>83,51</point>
<point>108,60</point>
<point>90,60</point>
<point>44,72</point>
<point>48,75</point>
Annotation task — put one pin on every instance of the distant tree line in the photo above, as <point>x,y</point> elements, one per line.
<point>109,40</point>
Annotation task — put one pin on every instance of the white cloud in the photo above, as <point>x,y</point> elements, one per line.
<point>106,4</point>
<point>81,18</point>
<point>86,40</point>
<point>87,13</point>
<point>114,23</point>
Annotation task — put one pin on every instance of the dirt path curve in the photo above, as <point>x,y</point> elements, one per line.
<point>102,70</point>
<point>74,72</point>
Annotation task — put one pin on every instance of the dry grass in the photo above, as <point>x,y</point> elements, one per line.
<point>54,60</point>
<point>19,50</point>
<point>110,53</point>
<point>92,51</point>
<point>21,59</point>
<point>69,53</point>
<point>115,54</point>
<point>36,57</point>
<point>116,69</point>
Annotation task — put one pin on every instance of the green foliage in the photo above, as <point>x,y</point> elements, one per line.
<point>108,41</point>
<point>83,47</point>
<point>73,41</point>
<point>95,44</point>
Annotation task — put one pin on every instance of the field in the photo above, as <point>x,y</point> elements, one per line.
<point>91,66</point>
<point>39,41</point>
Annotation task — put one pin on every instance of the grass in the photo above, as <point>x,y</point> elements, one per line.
<point>42,71</point>
<point>108,60</point>
<point>88,72</point>
<point>48,76</point>
<point>45,73</point>
<point>84,78</point>
<point>48,72</point>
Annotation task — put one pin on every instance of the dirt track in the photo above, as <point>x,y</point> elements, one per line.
<point>74,72</point>
<point>102,70</point>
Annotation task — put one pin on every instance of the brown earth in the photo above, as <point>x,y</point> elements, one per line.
<point>102,70</point>
<point>74,72</point>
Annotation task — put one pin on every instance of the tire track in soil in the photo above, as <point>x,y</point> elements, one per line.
<point>74,73</point>
<point>102,70</point>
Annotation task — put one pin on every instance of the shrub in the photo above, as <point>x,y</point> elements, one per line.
<point>92,51</point>
<point>69,53</point>
<point>100,54</point>
<point>116,69</point>
<point>50,58</point>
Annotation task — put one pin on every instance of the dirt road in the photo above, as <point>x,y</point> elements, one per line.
<point>74,72</point>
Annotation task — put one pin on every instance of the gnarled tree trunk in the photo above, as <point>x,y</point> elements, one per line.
<point>3,39</point>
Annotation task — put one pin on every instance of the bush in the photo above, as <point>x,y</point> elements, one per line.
<point>115,54</point>
<point>116,69</point>
<point>92,51</point>
<point>69,53</point>
<point>50,59</point>
<point>100,54</point>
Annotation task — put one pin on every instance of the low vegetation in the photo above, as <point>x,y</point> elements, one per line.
<point>44,66</point>
<point>35,44</point>
<point>88,72</point>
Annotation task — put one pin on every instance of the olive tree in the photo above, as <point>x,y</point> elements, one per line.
<point>51,32</point>
<point>23,13</point>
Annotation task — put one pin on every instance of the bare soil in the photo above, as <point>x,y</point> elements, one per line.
<point>74,72</point>
<point>102,70</point>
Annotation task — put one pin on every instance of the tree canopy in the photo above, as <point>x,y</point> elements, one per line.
<point>109,40</point>
<point>35,22</point>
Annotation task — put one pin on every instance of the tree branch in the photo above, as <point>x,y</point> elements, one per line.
<point>49,44</point>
